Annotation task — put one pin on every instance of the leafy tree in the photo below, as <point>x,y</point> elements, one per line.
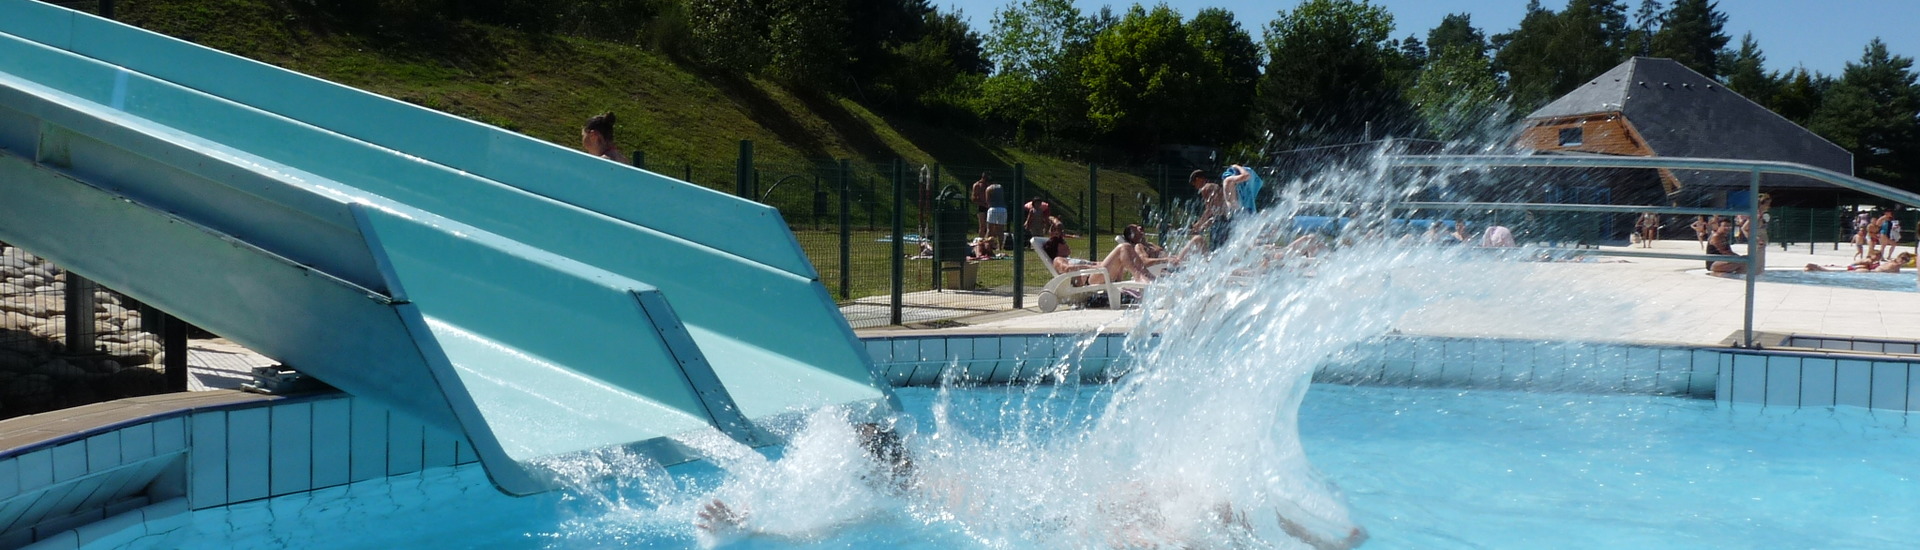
<point>1458,95</point>
<point>1552,53</point>
<point>1227,81</point>
<point>1139,76</point>
<point>1797,94</point>
<point>1745,71</point>
<point>1035,48</point>
<point>1329,74</point>
<point>1693,32</point>
<point>1874,111</point>
<point>1456,31</point>
<point>808,39</point>
<point>731,34</point>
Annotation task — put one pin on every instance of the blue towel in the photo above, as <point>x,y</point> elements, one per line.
<point>1249,190</point>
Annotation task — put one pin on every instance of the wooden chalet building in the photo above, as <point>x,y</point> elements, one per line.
<point>1658,107</point>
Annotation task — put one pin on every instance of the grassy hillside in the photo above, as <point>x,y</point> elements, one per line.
<point>547,85</point>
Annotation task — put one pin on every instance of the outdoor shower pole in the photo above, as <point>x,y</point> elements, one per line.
<point>1756,255</point>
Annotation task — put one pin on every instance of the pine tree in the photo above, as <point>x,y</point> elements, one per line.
<point>1746,71</point>
<point>1693,32</point>
<point>1874,111</point>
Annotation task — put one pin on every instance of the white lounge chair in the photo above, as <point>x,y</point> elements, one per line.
<point>1060,289</point>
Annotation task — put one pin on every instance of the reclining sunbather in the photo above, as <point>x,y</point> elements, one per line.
<point>1121,260</point>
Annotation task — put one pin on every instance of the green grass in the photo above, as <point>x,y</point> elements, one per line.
<point>547,85</point>
<point>869,264</point>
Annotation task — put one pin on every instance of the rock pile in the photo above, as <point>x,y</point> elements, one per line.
<point>37,374</point>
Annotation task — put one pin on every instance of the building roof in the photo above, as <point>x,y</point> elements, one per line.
<point>1681,113</point>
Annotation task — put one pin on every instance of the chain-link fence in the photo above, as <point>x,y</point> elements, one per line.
<point>947,260</point>
<point>63,346</point>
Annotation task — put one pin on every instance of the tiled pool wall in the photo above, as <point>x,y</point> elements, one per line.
<point>996,358</point>
<point>74,480</point>
<point>142,475</point>
<point>1738,377</point>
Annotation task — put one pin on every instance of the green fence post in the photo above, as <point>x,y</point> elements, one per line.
<point>687,173</point>
<point>899,240</point>
<point>846,230</point>
<point>1093,212</point>
<point>1017,218</point>
<point>640,160</point>
<point>743,170</point>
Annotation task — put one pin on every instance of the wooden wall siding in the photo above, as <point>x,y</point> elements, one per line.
<point>1604,133</point>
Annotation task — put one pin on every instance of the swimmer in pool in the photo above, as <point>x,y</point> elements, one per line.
<point>1130,504</point>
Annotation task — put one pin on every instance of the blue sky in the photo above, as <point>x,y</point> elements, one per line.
<point>1821,36</point>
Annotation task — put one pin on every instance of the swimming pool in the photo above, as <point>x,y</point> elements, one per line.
<point>1892,282</point>
<point>1422,468</point>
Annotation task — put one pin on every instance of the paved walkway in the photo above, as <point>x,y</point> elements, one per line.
<point>1660,301</point>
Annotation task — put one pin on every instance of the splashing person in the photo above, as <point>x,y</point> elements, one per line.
<point>1134,510</point>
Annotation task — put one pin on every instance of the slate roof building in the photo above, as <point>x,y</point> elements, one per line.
<point>1658,107</point>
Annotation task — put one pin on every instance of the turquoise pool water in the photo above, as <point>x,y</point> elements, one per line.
<point>1420,468</point>
<point>1892,282</point>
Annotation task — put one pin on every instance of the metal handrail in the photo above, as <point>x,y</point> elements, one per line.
<point>1755,168</point>
<point>1823,175</point>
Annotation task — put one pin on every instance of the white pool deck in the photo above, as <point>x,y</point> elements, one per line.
<point>1658,301</point>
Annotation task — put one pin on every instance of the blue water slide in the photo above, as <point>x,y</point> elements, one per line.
<point>537,300</point>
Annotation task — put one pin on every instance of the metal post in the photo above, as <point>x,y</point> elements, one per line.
<point>106,9</point>
<point>846,230</point>
<point>173,342</point>
<point>1113,213</point>
<point>1756,255</point>
<point>743,170</point>
<point>640,160</point>
<point>932,190</point>
<point>899,239</point>
<point>80,325</point>
<point>1017,218</point>
<point>1093,212</point>
<point>688,177</point>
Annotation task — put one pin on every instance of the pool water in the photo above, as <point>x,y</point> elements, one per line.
<point>1420,468</point>
<point>1892,282</point>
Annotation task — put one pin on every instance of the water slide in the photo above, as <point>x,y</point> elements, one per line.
<point>536,300</point>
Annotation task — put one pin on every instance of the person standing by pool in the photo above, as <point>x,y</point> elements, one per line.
<point>1649,229</point>
<point>1700,230</point>
<point>597,138</point>
<point>996,211</point>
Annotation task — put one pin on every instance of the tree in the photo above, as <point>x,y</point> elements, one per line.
<point>1458,96</point>
<point>1797,94</point>
<point>1552,53</point>
<point>1035,48</point>
<point>1693,32</point>
<point>1646,22</point>
<point>1328,74</point>
<point>1229,79</point>
<point>1139,75</point>
<point>808,39</point>
<point>731,34</point>
<point>1745,71</point>
<point>1456,31</point>
<point>1874,111</point>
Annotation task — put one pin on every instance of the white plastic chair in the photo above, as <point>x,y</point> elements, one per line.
<point>1060,289</point>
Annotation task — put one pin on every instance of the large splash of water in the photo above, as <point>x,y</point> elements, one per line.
<point>1198,446</point>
